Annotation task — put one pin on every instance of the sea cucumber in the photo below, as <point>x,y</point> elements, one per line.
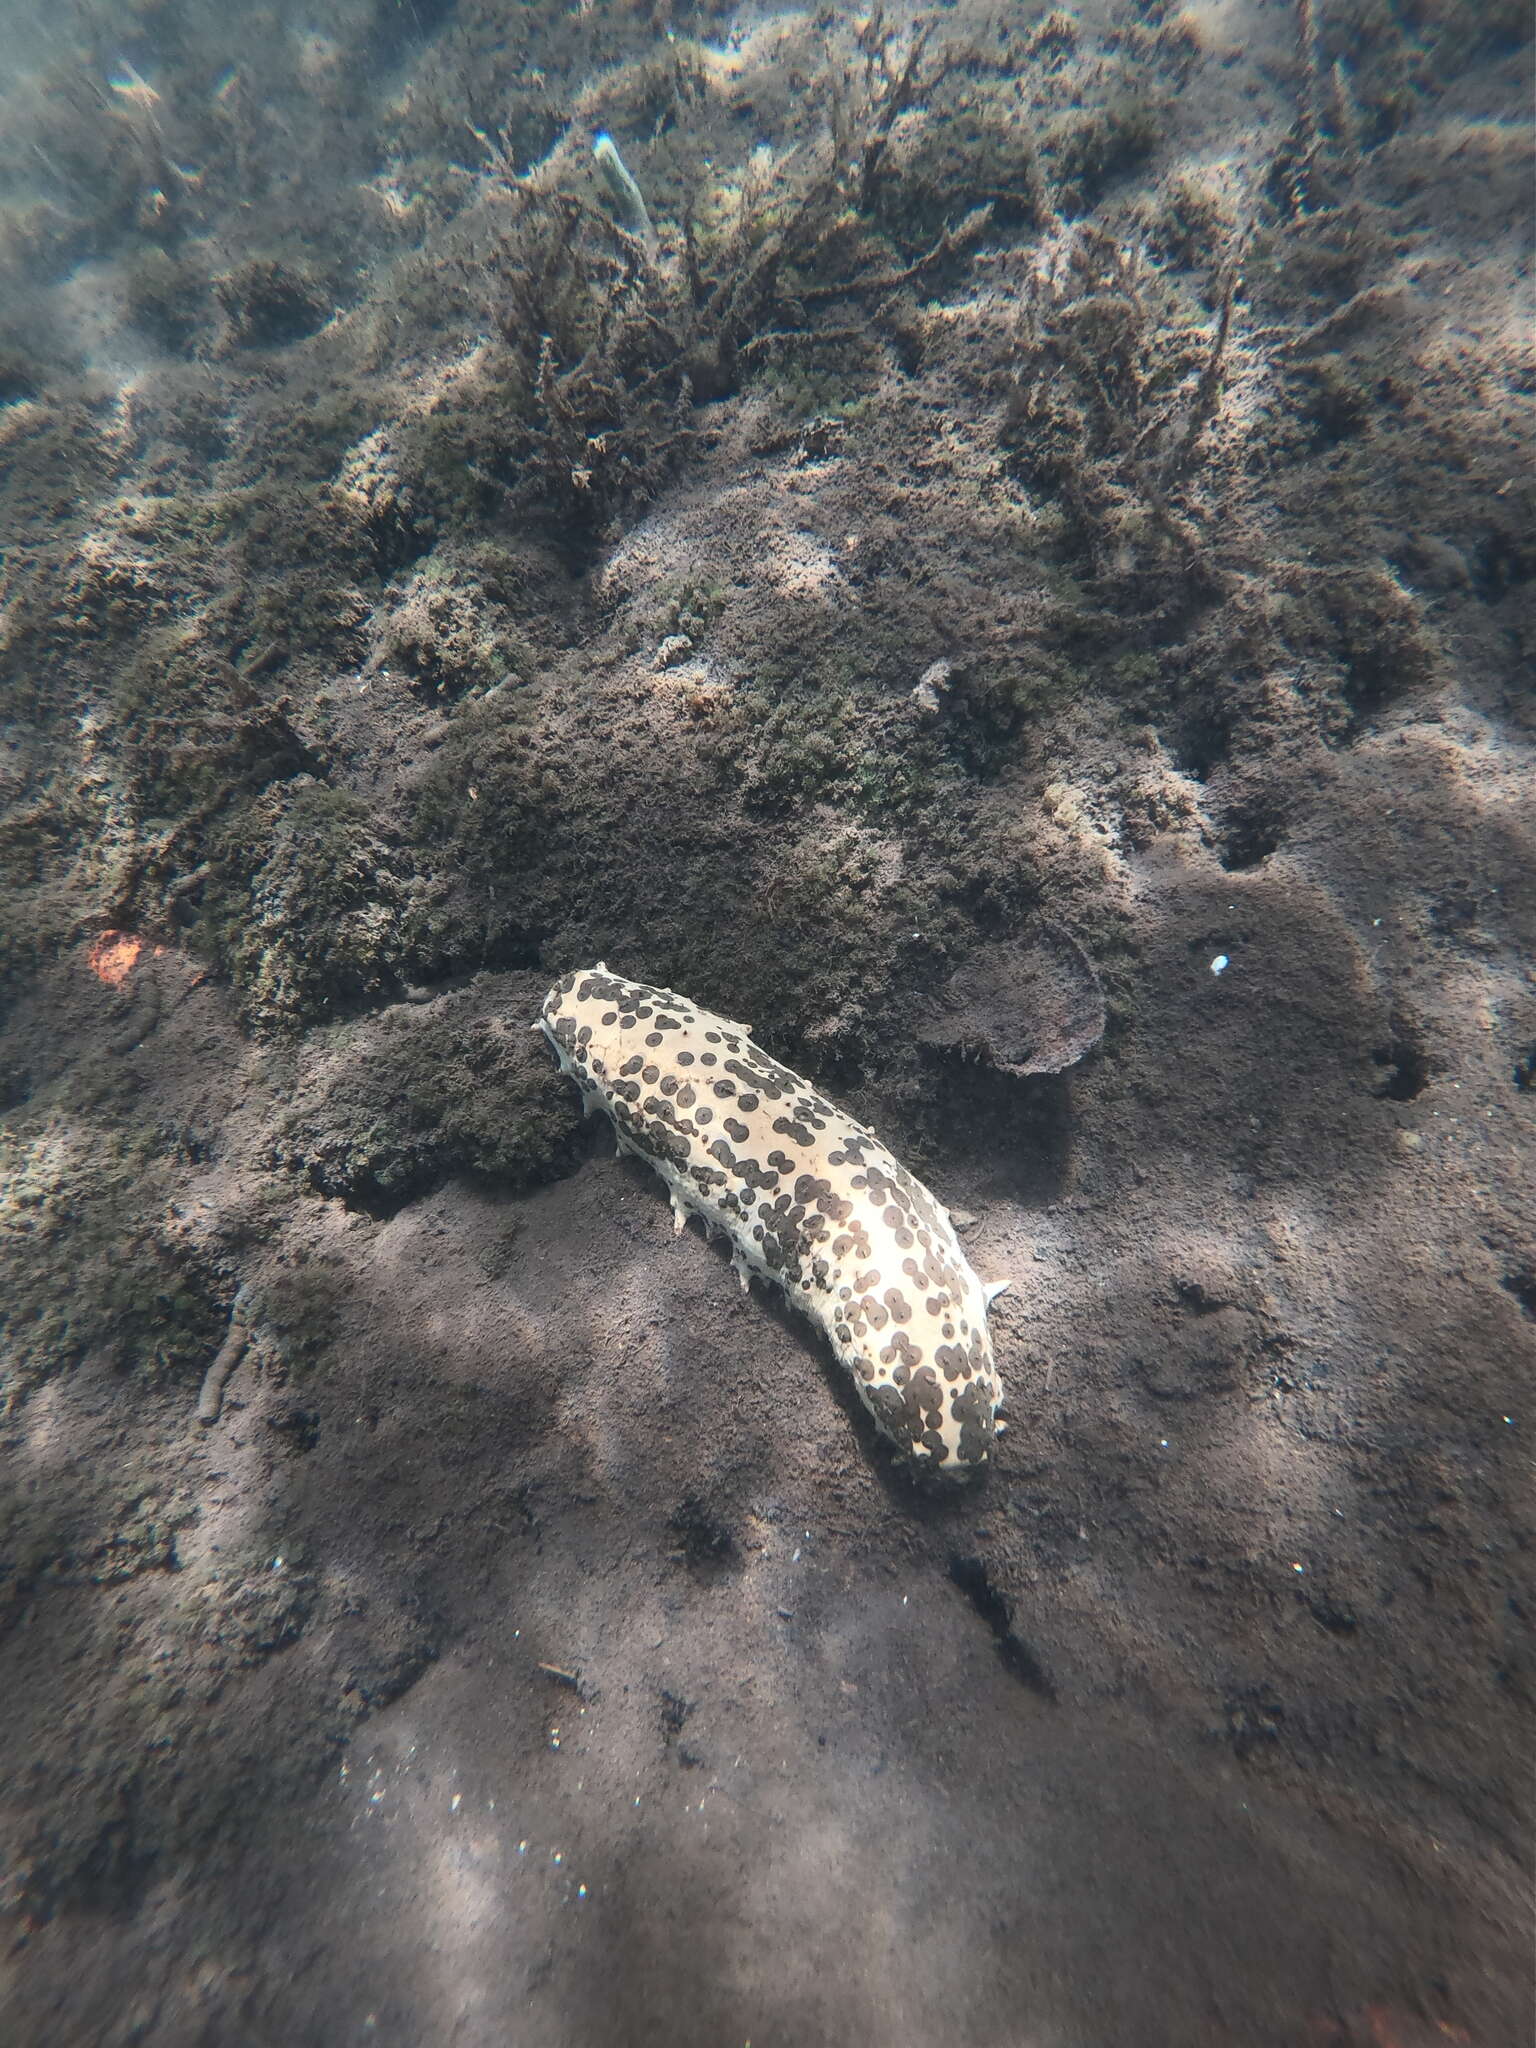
<point>808,1197</point>
<point>210,1399</point>
<point>628,201</point>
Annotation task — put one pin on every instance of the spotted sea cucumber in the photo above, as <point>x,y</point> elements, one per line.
<point>808,1197</point>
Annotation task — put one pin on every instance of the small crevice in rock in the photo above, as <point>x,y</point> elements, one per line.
<point>706,1545</point>
<point>971,1575</point>
<point>1407,1063</point>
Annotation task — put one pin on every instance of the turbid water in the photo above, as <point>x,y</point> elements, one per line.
<point>943,516</point>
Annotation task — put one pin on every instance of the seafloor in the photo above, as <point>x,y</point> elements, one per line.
<point>1027,472</point>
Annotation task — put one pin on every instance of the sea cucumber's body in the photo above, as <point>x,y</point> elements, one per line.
<point>808,1197</point>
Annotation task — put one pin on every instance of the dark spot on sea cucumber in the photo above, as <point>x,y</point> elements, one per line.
<point>890,1406</point>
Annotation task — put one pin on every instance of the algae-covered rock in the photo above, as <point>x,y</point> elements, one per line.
<point>318,923</point>
<point>1034,1006</point>
<point>267,303</point>
<point>448,628</point>
<point>87,1262</point>
<point>392,1105</point>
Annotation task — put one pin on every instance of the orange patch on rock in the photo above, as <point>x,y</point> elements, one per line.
<point>113,957</point>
